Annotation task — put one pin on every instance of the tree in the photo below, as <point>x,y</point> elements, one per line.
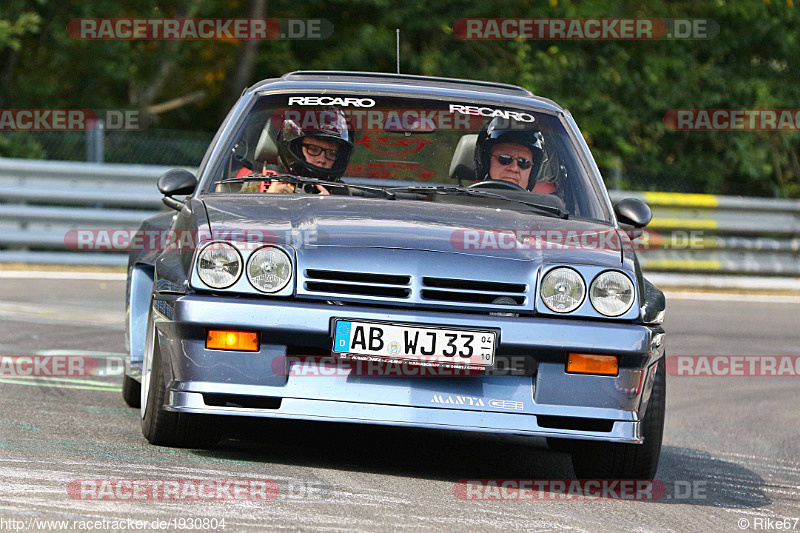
<point>618,91</point>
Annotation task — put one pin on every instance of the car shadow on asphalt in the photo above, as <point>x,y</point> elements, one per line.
<point>695,477</point>
<point>685,476</point>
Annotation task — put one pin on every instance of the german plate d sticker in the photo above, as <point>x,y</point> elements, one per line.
<point>341,340</point>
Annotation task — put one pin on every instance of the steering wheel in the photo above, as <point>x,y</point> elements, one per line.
<point>497,184</point>
<point>240,150</point>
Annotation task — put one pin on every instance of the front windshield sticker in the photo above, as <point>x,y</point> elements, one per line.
<point>326,100</point>
<point>398,146</point>
<point>398,170</point>
<point>489,112</point>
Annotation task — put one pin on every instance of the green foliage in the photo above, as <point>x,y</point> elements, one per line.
<point>618,91</point>
<point>12,31</point>
<point>22,145</point>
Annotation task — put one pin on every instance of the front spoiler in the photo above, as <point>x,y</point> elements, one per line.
<point>623,431</point>
<point>550,403</point>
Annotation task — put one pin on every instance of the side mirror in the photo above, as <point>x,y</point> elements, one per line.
<point>176,182</point>
<point>633,212</point>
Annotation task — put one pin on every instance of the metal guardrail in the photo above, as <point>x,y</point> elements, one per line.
<point>719,234</point>
<point>40,201</point>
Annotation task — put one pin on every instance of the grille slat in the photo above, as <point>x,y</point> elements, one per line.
<point>473,291</point>
<point>356,284</point>
<point>471,297</point>
<point>358,277</point>
<point>473,285</point>
<point>364,290</point>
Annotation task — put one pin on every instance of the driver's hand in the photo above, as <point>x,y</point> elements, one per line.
<point>280,186</point>
<point>283,187</point>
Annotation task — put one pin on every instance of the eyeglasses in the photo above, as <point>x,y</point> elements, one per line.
<point>506,160</point>
<point>314,150</point>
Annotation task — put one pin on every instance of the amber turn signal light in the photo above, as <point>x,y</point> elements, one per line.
<point>221,339</point>
<point>587,363</point>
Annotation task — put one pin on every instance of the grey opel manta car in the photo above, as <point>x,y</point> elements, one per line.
<point>399,250</point>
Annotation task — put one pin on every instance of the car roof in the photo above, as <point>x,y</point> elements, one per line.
<point>407,84</point>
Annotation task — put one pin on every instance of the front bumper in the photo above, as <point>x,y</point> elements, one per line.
<point>545,402</point>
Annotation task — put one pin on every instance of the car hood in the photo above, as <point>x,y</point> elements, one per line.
<point>318,221</point>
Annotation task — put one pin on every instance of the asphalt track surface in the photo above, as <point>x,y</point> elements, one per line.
<point>730,462</point>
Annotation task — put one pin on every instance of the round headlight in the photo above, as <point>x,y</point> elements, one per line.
<point>563,290</point>
<point>611,293</point>
<point>269,269</point>
<point>219,265</point>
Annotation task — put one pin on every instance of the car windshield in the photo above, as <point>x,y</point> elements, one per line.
<point>417,149</point>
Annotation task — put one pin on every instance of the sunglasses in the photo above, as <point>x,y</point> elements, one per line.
<point>506,160</point>
<point>314,150</point>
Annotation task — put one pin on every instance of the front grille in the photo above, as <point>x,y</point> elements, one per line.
<point>358,283</point>
<point>473,291</point>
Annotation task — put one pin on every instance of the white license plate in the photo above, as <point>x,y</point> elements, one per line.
<point>423,344</point>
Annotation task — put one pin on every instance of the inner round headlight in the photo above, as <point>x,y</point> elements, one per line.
<point>611,293</point>
<point>269,269</point>
<point>219,265</point>
<point>563,290</point>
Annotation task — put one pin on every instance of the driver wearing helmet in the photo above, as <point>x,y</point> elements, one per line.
<point>321,151</point>
<point>507,150</point>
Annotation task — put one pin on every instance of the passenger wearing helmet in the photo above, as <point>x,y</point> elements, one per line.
<point>508,150</point>
<point>320,151</point>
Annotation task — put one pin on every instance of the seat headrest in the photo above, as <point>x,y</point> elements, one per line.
<point>462,167</point>
<point>266,149</point>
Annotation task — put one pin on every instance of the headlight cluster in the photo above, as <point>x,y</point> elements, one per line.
<point>269,269</point>
<point>220,265</point>
<point>563,290</point>
<point>611,293</point>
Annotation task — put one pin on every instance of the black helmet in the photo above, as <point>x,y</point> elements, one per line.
<point>502,130</point>
<point>329,124</point>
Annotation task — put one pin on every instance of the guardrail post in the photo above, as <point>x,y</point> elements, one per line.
<point>95,143</point>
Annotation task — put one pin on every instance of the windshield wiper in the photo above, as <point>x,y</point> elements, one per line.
<point>286,178</point>
<point>308,183</point>
<point>560,213</point>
